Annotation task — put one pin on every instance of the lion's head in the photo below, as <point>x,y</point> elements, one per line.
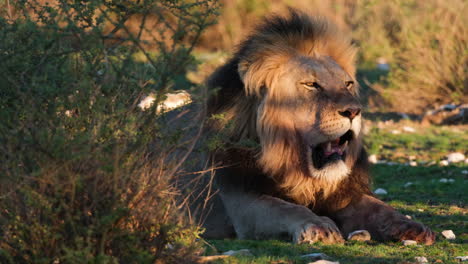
<point>300,70</point>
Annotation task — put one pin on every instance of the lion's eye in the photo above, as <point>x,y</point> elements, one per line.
<point>312,85</point>
<point>349,85</point>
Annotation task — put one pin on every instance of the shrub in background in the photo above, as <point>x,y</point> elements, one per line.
<point>85,175</point>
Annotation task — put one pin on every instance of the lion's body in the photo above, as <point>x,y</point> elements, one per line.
<point>289,89</point>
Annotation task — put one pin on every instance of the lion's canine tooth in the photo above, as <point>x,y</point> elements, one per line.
<point>343,147</point>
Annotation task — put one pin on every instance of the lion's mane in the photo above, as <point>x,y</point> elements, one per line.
<point>246,79</point>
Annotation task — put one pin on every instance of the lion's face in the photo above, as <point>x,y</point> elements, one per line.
<point>318,102</point>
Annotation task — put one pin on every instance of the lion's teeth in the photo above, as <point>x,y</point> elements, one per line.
<point>343,147</point>
<point>328,148</point>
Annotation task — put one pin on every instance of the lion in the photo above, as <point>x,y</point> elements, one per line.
<point>293,165</point>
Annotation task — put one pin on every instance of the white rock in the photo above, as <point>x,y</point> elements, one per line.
<point>373,159</point>
<point>408,184</point>
<point>315,256</point>
<point>409,129</point>
<point>462,258</point>
<point>359,235</point>
<point>413,163</point>
<point>324,262</point>
<point>421,259</point>
<point>409,242</point>
<point>240,252</point>
<point>396,132</point>
<point>380,191</point>
<point>172,101</point>
<point>447,107</point>
<point>420,210</point>
<point>443,180</point>
<point>404,116</point>
<point>464,172</point>
<point>146,102</point>
<point>443,163</point>
<point>409,217</point>
<point>466,161</point>
<point>455,157</point>
<point>448,234</point>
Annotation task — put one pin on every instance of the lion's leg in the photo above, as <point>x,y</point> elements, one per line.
<point>266,217</point>
<point>382,221</point>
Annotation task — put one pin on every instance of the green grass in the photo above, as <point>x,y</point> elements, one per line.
<point>439,205</point>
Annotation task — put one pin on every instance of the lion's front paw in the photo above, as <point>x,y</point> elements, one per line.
<point>409,230</point>
<point>311,233</point>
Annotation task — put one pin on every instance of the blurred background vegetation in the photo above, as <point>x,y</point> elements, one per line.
<point>416,50</point>
<point>86,175</point>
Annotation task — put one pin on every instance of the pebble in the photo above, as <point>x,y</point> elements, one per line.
<point>409,242</point>
<point>444,163</point>
<point>409,217</point>
<point>465,172</point>
<point>421,259</point>
<point>409,129</point>
<point>462,258</point>
<point>395,132</point>
<point>413,163</point>
<point>445,180</point>
<point>324,262</point>
<point>359,235</point>
<point>380,191</point>
<point>315,256</point>
<point>408,184</point>
<point>455,157</point>
<point>448,234</point>
<point>240,252</point>
<point>373,159</point>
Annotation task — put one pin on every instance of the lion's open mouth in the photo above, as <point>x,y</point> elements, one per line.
<point>331,151</point>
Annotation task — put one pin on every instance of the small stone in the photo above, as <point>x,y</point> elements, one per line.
<point>315,256</point>
<point>462,258</point>
<point>324,262</point>
<point>455,157</point>
<point>380,191</point>
<point>408,184</point>
<point>451,180</point>
<point>465,172</point>
<point>421,259</point>
<point>240,252</point>
<point>409,242</point>
<point>448,234</point>
<point>409,217</point>
<point>466,161</point>
<point>444,163</point>
<point>420,210</point>
<point>147,102</point>
<point>359,235</point>
<point>396,132</point>
<point>409,129</point>
<point>373,159</point>
<point>413,163</point>
<point>443,180</point>
<point>404,116</point>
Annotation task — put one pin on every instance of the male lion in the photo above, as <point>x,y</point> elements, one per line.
<point>291,89</point>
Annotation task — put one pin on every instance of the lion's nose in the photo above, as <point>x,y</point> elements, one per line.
<point>350,112</point>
